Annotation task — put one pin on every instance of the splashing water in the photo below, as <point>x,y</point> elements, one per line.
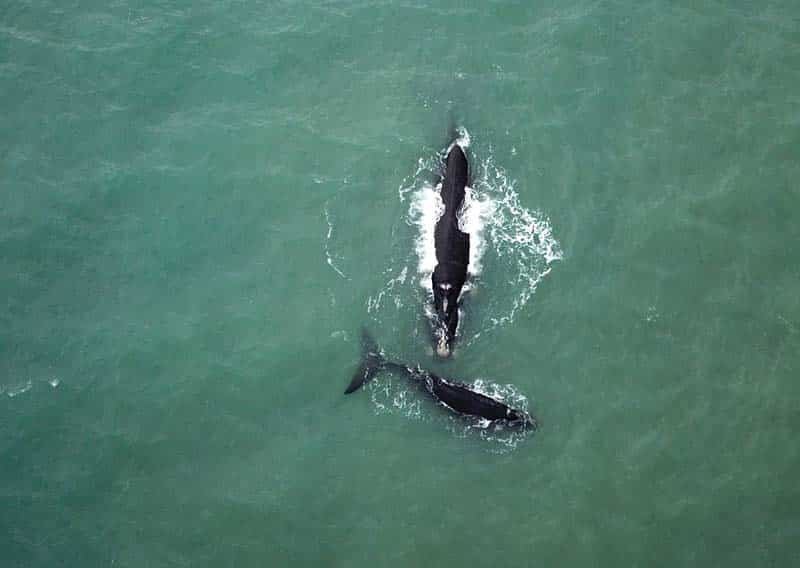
<point>390,396</point>
<point>425,210</point>
<point>523,237</point>
<point>328,255</point>
<point>501,229</point>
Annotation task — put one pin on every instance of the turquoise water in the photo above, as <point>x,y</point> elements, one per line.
<point>203,202</point>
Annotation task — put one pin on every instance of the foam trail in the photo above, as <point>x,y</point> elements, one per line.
<point>425,210</point>
<point>472,219</point>
<point>328,255</point>
<point>15,390</point>
<point>522,237</point>
<point>374,303</point>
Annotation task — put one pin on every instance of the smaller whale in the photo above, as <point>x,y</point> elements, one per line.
<point>454,395</point>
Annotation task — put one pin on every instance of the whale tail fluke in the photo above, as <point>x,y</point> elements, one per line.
<point>372,362</point>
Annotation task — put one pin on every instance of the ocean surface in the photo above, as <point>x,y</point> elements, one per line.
<point>202,204</point>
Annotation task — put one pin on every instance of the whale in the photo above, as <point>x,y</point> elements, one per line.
<point>452,252</point>
<point>454,395</point>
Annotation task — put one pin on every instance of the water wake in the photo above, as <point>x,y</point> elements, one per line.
<point>15,389</point>
<point>328,255</point>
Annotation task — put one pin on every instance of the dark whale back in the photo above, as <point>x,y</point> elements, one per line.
<point>452,251</point>
<point>466,401</point>
<point>455,180</point>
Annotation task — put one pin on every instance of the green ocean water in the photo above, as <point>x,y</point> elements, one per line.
<point>202,203</point>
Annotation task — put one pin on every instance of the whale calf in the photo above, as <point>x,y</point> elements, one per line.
<point>452,252</point>
<point>454,395</point>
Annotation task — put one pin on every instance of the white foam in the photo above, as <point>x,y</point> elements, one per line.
<point>15,389</point>
<point>412,182</point>
<point>505,393</point>
<point>392,395</point>
<point>374,302</point>
<point>499,438</point>
<point>328,256</point>
<point>18,389</point>
<point>395,395</point>
<point>425,210</point>
<point>472,219</point>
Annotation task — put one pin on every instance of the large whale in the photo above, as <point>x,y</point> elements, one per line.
<point>456,396</point>
<point>452,252</point>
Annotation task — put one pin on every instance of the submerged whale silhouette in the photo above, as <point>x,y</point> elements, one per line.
<point>452,252</point>
<point>456,396</point>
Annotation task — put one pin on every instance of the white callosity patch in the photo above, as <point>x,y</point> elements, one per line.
<point>463,139</point>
